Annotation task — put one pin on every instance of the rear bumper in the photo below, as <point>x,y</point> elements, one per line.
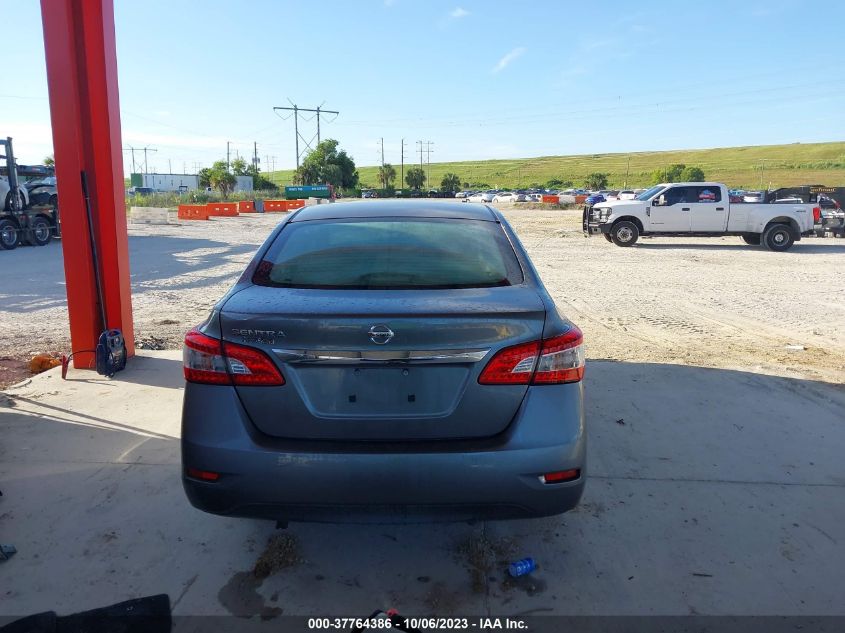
<point>495,478</point>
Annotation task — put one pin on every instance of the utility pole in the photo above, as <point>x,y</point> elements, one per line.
<point>296,110</point>
<point>428,145</point>
<point>227,155</point>
<point>420,149</point>
<point>147,149</point>
<point>131,149</point>
<point>383,180</point>
<point>169,167</point>
<point>402,173</point>
<point>255,157</point>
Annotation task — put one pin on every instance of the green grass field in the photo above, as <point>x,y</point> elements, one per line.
<point>744,167</point>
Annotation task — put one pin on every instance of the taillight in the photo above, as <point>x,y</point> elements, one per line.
<point>561,359</point>
<point>551,361</point>
<point>211,361</point>
<point>817,214</point>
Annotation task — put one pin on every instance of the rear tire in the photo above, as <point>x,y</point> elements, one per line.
<point>778,237</point>
<point>624,233</point>
<point>40,232</point>
<point>8,235</point>
<point>752,239</point>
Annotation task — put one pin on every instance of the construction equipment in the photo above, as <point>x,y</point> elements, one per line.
<point>21,222</point>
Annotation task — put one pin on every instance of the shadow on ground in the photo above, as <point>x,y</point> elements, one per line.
<point>805,246</point>
<point>710,491</point>
<point>156,262</point>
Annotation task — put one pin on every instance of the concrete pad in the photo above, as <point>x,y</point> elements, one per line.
<point>710,492</point>
<point>149,215</point>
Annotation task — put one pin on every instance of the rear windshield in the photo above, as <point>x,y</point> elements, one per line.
<point>390,253</point>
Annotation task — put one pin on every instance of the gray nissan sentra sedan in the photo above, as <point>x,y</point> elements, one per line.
<point>383,361</point>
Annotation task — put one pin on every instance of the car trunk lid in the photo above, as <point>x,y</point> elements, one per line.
<point>382,365</point>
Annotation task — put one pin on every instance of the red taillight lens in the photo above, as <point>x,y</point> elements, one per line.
<point>552,361</point>
<point>512,366</point>
<point>210,361</point>
<point>817,214</point>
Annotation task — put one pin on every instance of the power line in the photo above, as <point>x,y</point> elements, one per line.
<point>296,110</point>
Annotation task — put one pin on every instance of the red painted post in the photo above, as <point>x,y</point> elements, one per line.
<point>79,43</point>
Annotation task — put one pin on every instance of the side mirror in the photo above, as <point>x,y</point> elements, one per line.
<point>659,201</point>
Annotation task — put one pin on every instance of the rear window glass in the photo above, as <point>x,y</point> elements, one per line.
<point>390,253</point>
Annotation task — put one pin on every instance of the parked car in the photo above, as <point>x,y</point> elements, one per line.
<point>6,195</point>
<point>463,194</point>
<point>753,196</point>
<point>43,192</point>
<point>826,203</point>
<point>504,196</point>
<point>481,196</point>
<point>594,199</point>
<point>626,194</point>
<point>403,361</point>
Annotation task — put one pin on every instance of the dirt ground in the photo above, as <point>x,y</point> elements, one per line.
<point>693,301</point>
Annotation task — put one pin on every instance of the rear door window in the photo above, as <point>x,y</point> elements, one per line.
<point>706,194</point>
<point>390,253</point>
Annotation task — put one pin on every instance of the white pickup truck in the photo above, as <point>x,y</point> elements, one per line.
<point>699,209</point>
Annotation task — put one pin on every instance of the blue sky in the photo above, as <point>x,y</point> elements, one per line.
<point>479,79</point>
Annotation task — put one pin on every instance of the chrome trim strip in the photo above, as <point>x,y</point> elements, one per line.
<point>378,356</point>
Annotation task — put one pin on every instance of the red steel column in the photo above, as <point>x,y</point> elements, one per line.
<point>79,42</point>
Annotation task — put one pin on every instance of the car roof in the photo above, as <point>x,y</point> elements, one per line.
<point>394,208</point>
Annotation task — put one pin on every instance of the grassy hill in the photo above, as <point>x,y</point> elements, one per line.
<point>779,165</point>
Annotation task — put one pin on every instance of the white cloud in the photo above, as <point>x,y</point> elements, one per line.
<point>508,58</point>
<point>459,12</point>
<point>389,3</point>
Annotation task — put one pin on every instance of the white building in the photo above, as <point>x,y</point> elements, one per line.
<point>166,182</point>
<point>181,182</point>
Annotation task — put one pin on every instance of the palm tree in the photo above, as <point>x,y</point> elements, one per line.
<point>450,182</point>
<point>415,177</point>
<point>386,174</point>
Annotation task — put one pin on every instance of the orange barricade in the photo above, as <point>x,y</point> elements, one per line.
<point>549,199</point>
<point>192,212</point>
<point>222,209</point>
<point>246,206</point>
<point>580,198</point>
<point>280,206</point>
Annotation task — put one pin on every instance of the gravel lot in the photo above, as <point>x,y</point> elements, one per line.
<point>704,302</point>
<point>711,491</point>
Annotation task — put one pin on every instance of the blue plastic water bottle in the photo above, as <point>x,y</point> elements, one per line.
<point>522,567</point>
